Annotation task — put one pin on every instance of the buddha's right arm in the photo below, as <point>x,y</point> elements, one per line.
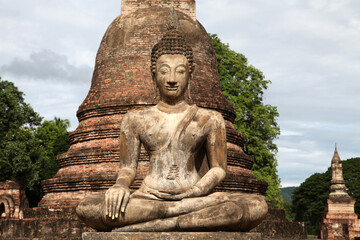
<point>129,151</point>
<point>117,196</point>
<point>125,177</point>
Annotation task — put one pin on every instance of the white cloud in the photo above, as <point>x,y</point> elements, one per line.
<point>47,65</point>
<point>290,133</point>
<point>288,150</point>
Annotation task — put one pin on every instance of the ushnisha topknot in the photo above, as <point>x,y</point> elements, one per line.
<point>172,43</point>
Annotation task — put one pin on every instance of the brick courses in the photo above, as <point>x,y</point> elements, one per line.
<point>186,6</point>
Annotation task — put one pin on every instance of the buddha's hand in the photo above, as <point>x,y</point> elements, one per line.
<point>116,200</point>
<point>178,194</point>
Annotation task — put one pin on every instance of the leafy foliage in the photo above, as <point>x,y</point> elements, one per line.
<point>53,138</point>
<point>244,86</point>
<point>14,112</point>
<point>19,151</point>
<point>287,192</point>
<point>28,147</point>
<point>290,216</point>
<point>309,199</point>
<point>352,180</point>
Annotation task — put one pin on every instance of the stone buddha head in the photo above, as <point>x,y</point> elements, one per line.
<point>172,64</point>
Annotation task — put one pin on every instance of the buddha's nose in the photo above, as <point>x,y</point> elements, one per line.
<point>172,79</point>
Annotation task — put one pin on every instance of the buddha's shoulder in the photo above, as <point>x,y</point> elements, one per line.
<point>140,113</point>
<point>209,116</point>
<point>202,112</point>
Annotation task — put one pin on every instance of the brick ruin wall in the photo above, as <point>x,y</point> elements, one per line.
<point>340,220</point>
<point>43,224</point>
<point>275,226</point>
<point>12,200</point>
<point>186,6</point>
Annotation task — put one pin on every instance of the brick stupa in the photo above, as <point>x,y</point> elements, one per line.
<point>122,81</point>
<point>340,220</point>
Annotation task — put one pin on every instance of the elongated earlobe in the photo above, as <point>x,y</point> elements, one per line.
<point>155,85</point>
<point>188,88</point>
<point>190,79</point>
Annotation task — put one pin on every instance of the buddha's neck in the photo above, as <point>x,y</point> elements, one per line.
<point>172,108</point>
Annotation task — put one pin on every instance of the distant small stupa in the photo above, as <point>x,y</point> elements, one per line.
<point>340,220</point>
<point>338,188</point>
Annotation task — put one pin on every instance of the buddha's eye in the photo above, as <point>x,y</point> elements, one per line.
<point>180,71</point>
<point>164,71</point>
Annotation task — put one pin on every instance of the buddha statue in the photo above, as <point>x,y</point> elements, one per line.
<point>187,149</point>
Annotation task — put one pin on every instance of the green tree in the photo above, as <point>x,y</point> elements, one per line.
<point>309,199</point>
<point>290,216</point>
<point>28,148</point>
<point>14,112</point>
<point>244,86</point>
<point>18,148</point>
<point>352,179</point>
<point>286,193</point>
<point>53,138</point>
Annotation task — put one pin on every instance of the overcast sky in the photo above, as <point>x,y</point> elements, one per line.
<point>309,49</point>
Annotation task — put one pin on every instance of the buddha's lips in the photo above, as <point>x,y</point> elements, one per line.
<point>172,88</point>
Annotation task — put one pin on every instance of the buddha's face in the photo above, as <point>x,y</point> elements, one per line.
<point>172,77</point>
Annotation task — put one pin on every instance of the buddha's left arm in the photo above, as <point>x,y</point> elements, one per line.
<point>216,151</point>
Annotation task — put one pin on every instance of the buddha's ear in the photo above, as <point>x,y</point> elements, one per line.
<point>189,88</point>
<point>190,78</point>
<point>155,84</point>
<point>192,71</point>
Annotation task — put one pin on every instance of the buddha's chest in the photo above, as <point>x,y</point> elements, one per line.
<point>167,130</point>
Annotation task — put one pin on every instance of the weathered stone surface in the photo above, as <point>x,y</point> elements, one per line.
<point>173,236</point>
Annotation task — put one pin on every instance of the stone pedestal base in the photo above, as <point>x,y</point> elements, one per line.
<point>170,236</point>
